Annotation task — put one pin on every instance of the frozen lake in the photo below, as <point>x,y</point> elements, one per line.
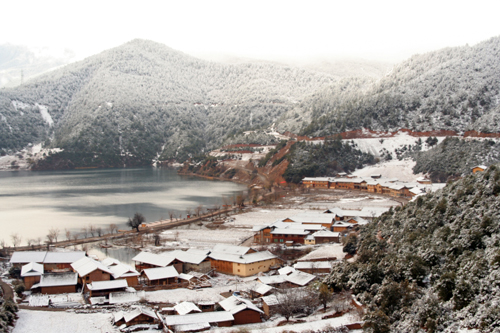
<point>33,202</point>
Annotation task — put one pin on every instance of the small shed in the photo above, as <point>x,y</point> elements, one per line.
<point>125,272</point>
<point>161,276</point>
<point>140,316</point>
<point>217,318</point>
<point>326,236</point>
<point>185,308</point>
<point>243,310</point>
<point>479,168</point>
<point>313,267</point>
<point>269,304</point>
<point>206,306</point>
<point>90,270</point>
<point>104,288</point>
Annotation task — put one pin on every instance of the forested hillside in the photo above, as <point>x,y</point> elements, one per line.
<point>455,157</point>
<point>454,88</point>
<point>434,264</point>
<point>142,99</point>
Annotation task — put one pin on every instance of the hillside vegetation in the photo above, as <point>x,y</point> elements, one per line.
<point>452,89</point>
<point>434,264</point>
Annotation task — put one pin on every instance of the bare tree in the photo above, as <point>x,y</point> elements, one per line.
<point>2,243</point>
<point>112,228</point>
<point>288,302</point>
<point>198,210</point>
<point>92,230</point>
<point>55,233</point>
<point>16,239</point>
<point>325,295</point>
<point>99,231</point>
<point>39,240</point>
<point>171,214</point>
<point>157,238</point>
<point>85,232</point>
<point>68,234</point>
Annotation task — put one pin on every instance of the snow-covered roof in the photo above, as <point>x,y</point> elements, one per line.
<point>110,262</point>
<point>161,273</point>
<point>196,318</point>
<point>317,179</point>
<point>107,285</point>
<point>57,279</point>
<point>230,249</point>
<point>287,231</point>
<point>87,265</point>
<point>243,259</point>
<point>235,304</point>
<point>192,327</point>
<point>274,279</point>
<point>270,300</point>
<point>286,270</point>
<point>186,307</point>
<point>484,167</point>
<point>63,257</point>
<point>299,278</point>
<point>359,220</point>
<point>262,288</point>
<point>128,316</point>
<point>154,259</point>
<point>312,217</point>
<point>326,233</point>
<point>206,303</point>
<point>24,257</point>
<point>122,271</point>
<point>186,277</point>
<point>312,265</point>
<point>117,316</point>
<point>32,269</point>
<point>193,257</point>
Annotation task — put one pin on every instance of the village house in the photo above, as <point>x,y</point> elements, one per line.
<point>124,272</point>
<point>90,270</point>
<point>192,260</point>
<point>326,236</point>
<point>161,276</point>
<point>240,260</point>
<point>291,278</point>
<point>31,274</point>
<point>56,283</point>
<point>206,306</point>
<point>104,288</point>
<point>479,168</point>
<point>145,260</point>
<point>316,182</point>
<point>199,321</point>
<point>243,310</point>
<point>260,289</point>
<point>136,317</point>
<point>309,240</point>
<point>52,261</point>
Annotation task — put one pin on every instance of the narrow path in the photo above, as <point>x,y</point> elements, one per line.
<point>7,290</point>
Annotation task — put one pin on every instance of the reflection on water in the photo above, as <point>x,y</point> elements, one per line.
<point>33,202</point>
<point>124,254</point>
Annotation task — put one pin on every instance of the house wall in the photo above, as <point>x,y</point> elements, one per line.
<point>96,275</point>
<point>309,241</point>
<point>167,281</point>
<point>204,266</point>
<point>314,270</point>
<point>97,293</point>
<point>132,280</point>
<point>58,266</point>
<point>58,290</point>
<point>253,268</point>
<point>323,240</point>
<point>29,281</point>
<point>282,239</point>
<point>247,317</point>
<point>222,266</point>
<point>142,319</point>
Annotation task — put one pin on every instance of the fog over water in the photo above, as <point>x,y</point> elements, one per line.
<point>33,202</point>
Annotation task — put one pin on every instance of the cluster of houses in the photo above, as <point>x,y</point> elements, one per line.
<point>374,184</point>
<point>315,227</point>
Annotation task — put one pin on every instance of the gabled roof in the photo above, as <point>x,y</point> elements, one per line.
<point>286,270</point>
<point>243,259</point>
<point>230,249</point>
<point>262,288</point>
<point>32,269</point>
<point>24,257</point>
<point>107,285</point>
<point>270,300</point>
<point>484,167</point>
<point>274,279</point>
<point>161,273</point>
<point>195,318</point>
<point>186,307</point>
<point>326,233</point>
<point>154,259</point>
<point>110,262</point>
<point>236,304</point>
<point>300,278</point>
<point>87,265</point>
<point>128,316</point>
<point>191,257</point>
<point>122,271</point>
<point>63,257</point>
<point>57,280</point>
<point>186,277</point>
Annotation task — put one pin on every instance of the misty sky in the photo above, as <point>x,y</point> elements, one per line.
<point>382,30</point>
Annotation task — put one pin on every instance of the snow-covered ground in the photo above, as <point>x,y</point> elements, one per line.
<point>402,170</point>
<point>332,250</point>
<point>63,321</point>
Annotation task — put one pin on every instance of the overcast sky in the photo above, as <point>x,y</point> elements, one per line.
<point>383,30</point>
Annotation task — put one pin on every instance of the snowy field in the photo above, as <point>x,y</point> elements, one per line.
<point>332,250</point>
<point>402,170</point>
<point>62,321</point>
<point>206,238</point>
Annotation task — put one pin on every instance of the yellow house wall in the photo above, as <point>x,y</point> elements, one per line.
<point>253,268</point>
<point>309,241</point>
